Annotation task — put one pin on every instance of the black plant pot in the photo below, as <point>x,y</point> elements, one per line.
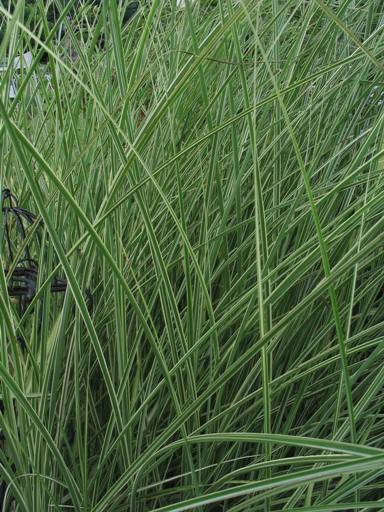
<point>17,221</point>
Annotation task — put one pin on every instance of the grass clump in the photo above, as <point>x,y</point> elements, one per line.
<point>208,179</point>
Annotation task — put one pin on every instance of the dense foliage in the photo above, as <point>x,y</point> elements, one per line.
<point>208,181</point>
<point>33,11</point>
